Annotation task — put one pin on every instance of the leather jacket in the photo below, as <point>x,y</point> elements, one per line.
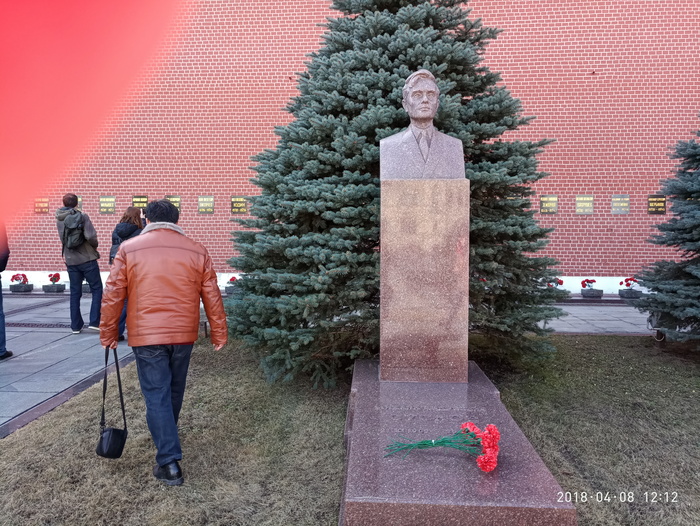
<point>164,274</point>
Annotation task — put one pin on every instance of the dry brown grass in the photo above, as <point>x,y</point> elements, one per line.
<point>608,414</point>
<point>253,453</point>
<point>614,414</point>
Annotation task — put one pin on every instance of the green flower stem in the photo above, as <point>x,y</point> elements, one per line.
<point>462,441</point>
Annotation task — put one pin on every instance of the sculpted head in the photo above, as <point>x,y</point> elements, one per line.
<point>421,97</point>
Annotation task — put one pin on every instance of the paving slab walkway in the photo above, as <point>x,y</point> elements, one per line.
<point>50,363</point>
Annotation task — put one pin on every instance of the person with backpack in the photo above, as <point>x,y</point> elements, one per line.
<point>130,225</point>
<point>79,240</point>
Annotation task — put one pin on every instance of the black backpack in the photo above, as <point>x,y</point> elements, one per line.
<point>73,230</point>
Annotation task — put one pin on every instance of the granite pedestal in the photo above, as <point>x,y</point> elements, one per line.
<point>424,280</point>
<point>419,390</point>
<point>440,486</point>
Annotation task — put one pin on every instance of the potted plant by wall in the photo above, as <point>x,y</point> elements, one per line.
<point>629,292</point>
<point>587,290</point>
<point>555,284</point>
<point>230,286</point>
<point>86,287</point>
<point>20,283</point>
<point>55,286</point>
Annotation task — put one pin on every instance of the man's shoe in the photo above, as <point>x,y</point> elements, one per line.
<point>121,338</point>
<point>8,354</point>
<point>171,473</point>
<point>77,331</point>
<point>93,328</point>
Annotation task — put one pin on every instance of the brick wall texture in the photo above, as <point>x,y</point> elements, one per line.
<point>614,82</point>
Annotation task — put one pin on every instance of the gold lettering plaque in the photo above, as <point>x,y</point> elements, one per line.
<point>620,204</point>
<point>656,204</point>
<point>549,204</point>
<point>108,204</point>
<point>239,204</point>
<point>139,201</point>
<point>205,204</point>
<point>584,204</point>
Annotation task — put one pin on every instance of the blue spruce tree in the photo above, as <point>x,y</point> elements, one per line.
<point>675,302</point>
<point>309,298</point>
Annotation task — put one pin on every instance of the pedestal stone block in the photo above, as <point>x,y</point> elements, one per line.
<point>424,280</point>
<point>440,486</point>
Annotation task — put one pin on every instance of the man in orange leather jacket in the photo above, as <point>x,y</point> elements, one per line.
<point>164,274</point>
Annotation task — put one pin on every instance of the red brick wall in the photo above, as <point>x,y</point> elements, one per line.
<point>614,82</point>
<point>196,117</point>
<point>617,84</point>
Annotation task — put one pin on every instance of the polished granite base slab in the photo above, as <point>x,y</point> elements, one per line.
<point>439,486</point>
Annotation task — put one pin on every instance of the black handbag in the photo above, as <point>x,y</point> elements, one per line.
<point>112,440</point>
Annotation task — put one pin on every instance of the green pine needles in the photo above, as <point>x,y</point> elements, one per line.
<point>675,285</point>
<point>308,301</point>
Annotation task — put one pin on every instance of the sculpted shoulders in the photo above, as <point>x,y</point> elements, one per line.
<point>447,138</point>
<point>393,139</point>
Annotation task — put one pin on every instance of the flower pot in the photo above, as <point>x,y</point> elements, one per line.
<point>53,288</point>
<point>21,287</point>
<point>630,294</point>
<point>592,293</point>
<point>86,288</point>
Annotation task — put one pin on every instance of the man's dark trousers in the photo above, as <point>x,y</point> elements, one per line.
<point>162,371</point>
<point>89,271</point>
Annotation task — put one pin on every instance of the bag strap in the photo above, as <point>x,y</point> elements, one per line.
<point>104,388</point>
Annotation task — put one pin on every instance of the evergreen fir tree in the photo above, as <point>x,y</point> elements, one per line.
<point>309,298</point>
<point>675,285</point>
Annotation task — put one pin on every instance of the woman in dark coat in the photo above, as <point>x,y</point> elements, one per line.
<point>130,225</point>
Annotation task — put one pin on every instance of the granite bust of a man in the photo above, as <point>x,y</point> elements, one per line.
<point>420,151</point>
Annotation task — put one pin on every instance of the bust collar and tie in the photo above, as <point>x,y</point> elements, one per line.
<point>424,138</point>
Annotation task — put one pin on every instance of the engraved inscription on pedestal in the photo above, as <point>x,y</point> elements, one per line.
<point>424,280</point>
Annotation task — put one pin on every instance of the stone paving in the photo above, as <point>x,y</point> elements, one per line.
<point>51,364</point>
<point>48,358</point>
<point>598,318</point>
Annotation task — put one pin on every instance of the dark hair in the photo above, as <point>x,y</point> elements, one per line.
<point>162,210</point>
<point>70,200</point>
<point>133,216</point>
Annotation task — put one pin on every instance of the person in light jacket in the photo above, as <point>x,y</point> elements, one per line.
<point>164,274</point>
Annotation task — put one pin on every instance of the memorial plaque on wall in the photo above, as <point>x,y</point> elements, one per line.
<point>205,204</point>
<point>239,204</point>
<point>584,204</point>
<point>41,205</point>
<point>620,204</point>
<point>139,201</point>
<point>549,204</point>
<point>656,204</point>
<point>108,204</point>
<point>174,199</point>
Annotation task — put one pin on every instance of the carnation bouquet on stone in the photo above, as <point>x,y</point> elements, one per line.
<point>481,444</point>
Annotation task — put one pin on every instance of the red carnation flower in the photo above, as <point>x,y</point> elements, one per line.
<point>487,463</point>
